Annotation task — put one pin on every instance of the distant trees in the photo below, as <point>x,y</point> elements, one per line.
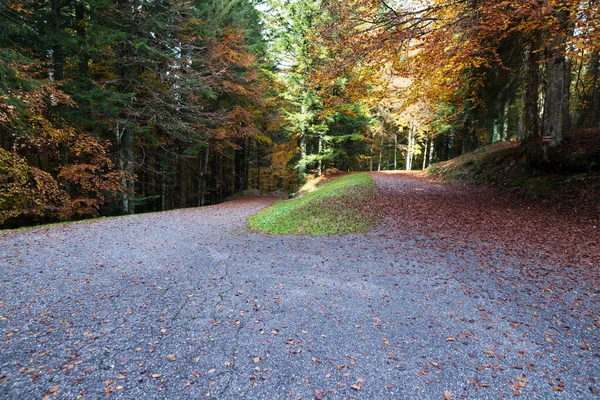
<point>125,106</point>
<point>488,70</point>
<point>130,105</point>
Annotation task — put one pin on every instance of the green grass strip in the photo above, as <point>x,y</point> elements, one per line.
<point>340,206</point>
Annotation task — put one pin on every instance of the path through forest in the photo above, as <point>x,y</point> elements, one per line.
<point>459,291</point>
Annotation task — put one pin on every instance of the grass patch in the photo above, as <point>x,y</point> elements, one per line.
<point>339,206</point>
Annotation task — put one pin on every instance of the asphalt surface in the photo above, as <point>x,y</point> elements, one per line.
<point>191,304</point>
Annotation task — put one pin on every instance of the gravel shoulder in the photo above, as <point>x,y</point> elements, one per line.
<point>451,295</point>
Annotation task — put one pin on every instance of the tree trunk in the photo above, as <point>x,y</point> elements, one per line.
<point>409,149</point>
<point>497,132</point>
<point>431,150</point>
<point>124,139</point>
<point>593,117</point>
<point>505,122</point>
<point>202,178</point>
<point>241,172</point>
<point>395,151</point>
<point>302,162</point>
<point>425,145</point>
<point>380,154</point>
<point>82,39</point>
<point>183,172</point>
<point>320,161</point>
<point>556,101</point>
<point>58,54</point>
<point>531,112</point>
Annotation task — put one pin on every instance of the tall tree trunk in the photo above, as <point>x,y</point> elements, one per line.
<point>183,172</point>
<point>124,139</point>
<point>531,112</point>
<point>593,117</point>
<point>395,151</point>
<point>302,162</point>
<point>58,54</point>
<point>505,121</point>
<point>380,154</point>
<point>409,150</point>
<point>425,145</point>
<point>556,102</point>
<point>497,130</point>
<point>431,150</point>
<point>320,152</point>
<point>203,178</point>
<point>240,164</point>
<point>80,24</point>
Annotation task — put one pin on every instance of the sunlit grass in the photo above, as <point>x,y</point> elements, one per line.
<point>340,206</point>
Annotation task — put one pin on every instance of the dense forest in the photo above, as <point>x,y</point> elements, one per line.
<point>119,106</point>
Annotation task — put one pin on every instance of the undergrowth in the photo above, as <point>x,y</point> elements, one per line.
<point>566,179</point>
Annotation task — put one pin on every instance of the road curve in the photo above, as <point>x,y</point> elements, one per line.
<point>192,304</point>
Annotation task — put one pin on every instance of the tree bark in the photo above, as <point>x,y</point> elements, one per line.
<point>302,162</point>
<point>124,139</point>
<point>431,150</point>
<point>241,172</point>
<point>58,54</point>
<point>409,150</point>
<point>425,145</point>
<point>320,152</point>
<point>202,178</point>
<point>556,99</point>
<point>395,151</point>
<point>80,25</point>
<point>380,154</point>
<point>531,128</point>
<point>593,117</point>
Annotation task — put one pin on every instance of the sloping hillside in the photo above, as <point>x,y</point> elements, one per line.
<point>570,178</point>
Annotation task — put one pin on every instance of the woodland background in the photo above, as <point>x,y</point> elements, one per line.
<point>113,107</point>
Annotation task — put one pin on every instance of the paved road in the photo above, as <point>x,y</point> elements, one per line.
<point>190,304</point>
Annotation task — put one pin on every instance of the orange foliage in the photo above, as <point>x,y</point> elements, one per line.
<point>74,174</point>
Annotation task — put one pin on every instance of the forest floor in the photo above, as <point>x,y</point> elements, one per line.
<point>460,291</point>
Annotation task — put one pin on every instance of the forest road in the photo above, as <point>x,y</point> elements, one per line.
<point>458,292</point>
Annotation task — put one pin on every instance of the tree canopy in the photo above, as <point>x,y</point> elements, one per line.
<point>125,106</point>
